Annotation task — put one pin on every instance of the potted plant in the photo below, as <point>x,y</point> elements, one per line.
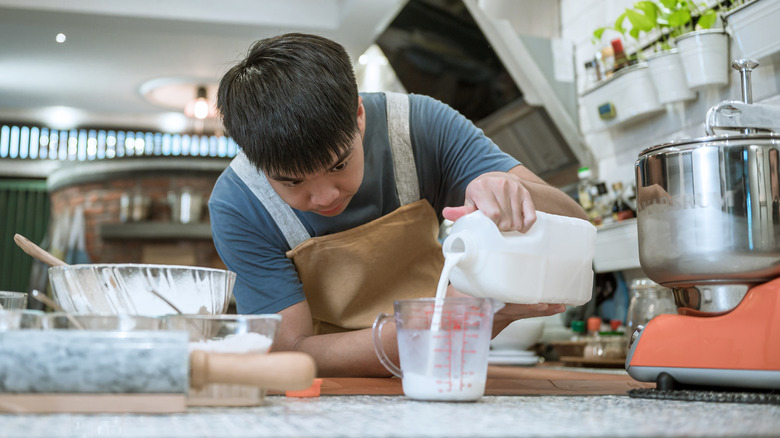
<point>704,49</point>
<point>665,65</point>
<point>664,73</point>
<point>627,94</point>
<point>689,27</point>
<point>751,24</point>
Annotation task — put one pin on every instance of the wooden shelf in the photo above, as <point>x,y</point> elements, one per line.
<point>156,231</point>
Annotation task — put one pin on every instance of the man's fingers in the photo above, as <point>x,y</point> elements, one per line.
<point>455,213</point>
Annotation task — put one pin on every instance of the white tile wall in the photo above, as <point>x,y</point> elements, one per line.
<point>616,149</point>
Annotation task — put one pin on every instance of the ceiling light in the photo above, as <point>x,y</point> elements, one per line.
<point>200,107</point>
<point>60,38</point>
<point>180,94</point>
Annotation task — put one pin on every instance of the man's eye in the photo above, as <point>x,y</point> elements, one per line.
<point>340,166</point>
<point>292,183</point>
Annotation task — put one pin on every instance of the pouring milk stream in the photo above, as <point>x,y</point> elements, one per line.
<point>551,263</point>
<point>443,343</point>
<point>514,267</point>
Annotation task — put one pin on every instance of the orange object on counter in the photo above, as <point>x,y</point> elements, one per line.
<point>594,324</point>
<point>745,338</point>
<point>312,391</point>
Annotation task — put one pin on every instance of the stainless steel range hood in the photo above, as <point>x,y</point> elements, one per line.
<point>506,83</point>
<point>528,133</point>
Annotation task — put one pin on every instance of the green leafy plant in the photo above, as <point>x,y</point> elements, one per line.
<point>671,18</point>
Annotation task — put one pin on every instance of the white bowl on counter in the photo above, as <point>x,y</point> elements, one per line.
<point>519,335</point>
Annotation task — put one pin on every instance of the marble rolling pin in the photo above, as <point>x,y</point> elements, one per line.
<point>152,362</point>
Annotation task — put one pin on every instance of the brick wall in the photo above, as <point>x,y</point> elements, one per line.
<point>101,204</point>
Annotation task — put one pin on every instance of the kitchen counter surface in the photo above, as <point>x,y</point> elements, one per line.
<point>386,416</point>
<point>374,408</point>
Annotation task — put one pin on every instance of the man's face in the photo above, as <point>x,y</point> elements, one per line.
<point>327,192</point>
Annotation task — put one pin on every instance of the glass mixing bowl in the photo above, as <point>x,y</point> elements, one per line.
<point>126,289</point>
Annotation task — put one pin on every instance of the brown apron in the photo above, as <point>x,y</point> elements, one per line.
<point>352,276</point>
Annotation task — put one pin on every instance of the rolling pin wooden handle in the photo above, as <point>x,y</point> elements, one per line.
<point>282,371</point>
<point>36,251</point>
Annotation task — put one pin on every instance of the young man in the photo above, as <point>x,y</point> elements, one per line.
<point>331,211</point>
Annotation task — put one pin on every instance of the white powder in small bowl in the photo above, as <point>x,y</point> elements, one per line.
<point>237,343</point>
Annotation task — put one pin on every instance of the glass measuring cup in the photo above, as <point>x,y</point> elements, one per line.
<point>443,347</point>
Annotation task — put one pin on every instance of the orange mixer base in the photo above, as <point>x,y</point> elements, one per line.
<point>738,349</point>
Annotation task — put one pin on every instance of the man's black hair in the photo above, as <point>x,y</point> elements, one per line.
<point>291,104</point>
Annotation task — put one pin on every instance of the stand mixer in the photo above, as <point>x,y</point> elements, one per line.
<point>709,229</point>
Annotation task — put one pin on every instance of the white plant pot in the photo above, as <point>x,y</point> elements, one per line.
<point>627,96</point>
<point>705,57</point>
<point>666,72</point>
<point>754,28</point>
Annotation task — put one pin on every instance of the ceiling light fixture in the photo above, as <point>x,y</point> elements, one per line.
<point>199,107</point>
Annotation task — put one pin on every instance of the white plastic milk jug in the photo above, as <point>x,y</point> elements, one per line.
<point>551,263</point>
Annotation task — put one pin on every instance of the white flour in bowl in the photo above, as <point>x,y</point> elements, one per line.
<point>237,343</point>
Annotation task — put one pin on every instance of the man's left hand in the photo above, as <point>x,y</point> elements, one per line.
<point>502,197</point>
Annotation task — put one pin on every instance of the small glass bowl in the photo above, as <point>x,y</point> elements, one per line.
<point>21,319</point>
<point>243,334</point>
<point>121,323</point>
<point>13,300</point>
<point>227,333</point>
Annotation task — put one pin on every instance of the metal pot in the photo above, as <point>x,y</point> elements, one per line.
<point>708,209</point>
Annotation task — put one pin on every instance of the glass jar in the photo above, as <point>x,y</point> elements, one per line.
<point>648,300</point>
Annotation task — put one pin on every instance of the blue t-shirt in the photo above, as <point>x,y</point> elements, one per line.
<point>449,152</point>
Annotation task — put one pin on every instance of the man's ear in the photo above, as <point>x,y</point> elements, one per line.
<point>361,116</point>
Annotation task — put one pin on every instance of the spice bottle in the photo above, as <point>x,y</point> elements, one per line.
<point>621,60</point>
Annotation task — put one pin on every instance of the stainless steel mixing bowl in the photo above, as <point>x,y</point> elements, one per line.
<point>708,216</point>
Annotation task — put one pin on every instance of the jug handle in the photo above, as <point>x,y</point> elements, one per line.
<point>380,322</point>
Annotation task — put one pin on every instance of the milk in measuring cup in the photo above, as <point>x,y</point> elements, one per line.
<point>445,362</point>
<point>448,365</point>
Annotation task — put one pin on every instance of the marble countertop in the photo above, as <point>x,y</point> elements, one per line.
<point>397,416</point>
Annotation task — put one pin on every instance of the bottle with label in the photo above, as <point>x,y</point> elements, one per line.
<point>620,208</point>
<point>577,330</point>
<point>607,61</point>
<point>593,325</point>
<point>602,203</point>
<point>591,196</point>
<point>584,188</point>
<point>621,60</point>
<point>593,72</point>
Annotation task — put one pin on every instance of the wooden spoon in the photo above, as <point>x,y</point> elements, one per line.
<point>37,252</point>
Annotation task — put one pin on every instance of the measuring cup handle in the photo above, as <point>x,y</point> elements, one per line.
<point>380,322</point>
